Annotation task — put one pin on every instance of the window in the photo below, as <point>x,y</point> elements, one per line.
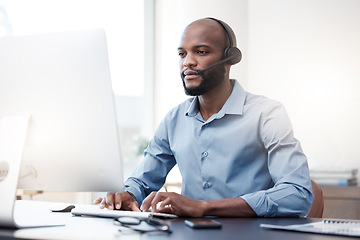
<point>124,24</point>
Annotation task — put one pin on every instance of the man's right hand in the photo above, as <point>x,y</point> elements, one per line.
<point>120,200</point>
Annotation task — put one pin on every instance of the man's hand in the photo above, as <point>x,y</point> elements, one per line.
<point>120,200</point>
<point>174,203</point>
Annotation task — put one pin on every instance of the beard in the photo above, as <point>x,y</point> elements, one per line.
<point>210,80</point>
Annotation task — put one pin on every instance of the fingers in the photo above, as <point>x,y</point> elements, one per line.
<point>165,204</point>
<point>164,197</point>
<point>124,200</point>
<point>135,207</point>
<point>147,202</point>
<point>103,203</point>
<point>153,200</point>
<point>97,201</point>
<point>109,202</point>
<point>169,210</point>
<point>118,200</point>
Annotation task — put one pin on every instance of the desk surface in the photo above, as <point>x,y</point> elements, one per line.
<point>102,228</point>
<point>233,228</point>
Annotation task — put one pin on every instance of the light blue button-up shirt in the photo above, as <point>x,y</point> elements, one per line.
<point>246,150</point>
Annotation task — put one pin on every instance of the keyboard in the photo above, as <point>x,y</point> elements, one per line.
<point>95,211</point>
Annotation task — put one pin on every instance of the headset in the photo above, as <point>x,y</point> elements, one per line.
<point>232,54</point>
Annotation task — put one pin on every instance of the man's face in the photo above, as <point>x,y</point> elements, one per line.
<point>201,46</point>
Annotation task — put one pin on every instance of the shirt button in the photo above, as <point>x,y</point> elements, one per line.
<point>206,185</point>
<point>206,154</point>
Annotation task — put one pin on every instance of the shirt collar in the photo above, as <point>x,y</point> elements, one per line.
<point>233,105</point>
<point>193,108</point>
<point>236,101</point>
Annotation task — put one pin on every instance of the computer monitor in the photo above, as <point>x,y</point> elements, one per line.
<point>62,81</point>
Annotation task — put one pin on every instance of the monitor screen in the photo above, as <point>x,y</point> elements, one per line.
<point>62,81</point>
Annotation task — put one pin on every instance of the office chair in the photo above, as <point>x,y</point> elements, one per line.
<point>317,208</point>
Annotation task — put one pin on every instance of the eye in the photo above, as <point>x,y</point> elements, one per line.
<point>202,52</point>
<point>181,54</point>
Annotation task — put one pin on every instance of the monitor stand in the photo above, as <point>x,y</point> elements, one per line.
<point>13,130</point>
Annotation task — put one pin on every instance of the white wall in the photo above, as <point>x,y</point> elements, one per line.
<point>304,53</point>
<point>307,55</point>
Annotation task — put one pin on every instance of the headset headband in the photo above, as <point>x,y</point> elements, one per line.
<point>228,33</point>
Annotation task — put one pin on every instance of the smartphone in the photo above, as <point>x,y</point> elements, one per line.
<point>203,223</point>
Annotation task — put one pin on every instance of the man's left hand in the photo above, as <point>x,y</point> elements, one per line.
<point>173,203</point>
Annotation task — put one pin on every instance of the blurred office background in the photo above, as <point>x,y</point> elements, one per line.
<point>304,53</point>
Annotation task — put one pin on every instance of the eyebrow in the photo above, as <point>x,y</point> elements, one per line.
<point>203,45</point>
<point>197,46</point>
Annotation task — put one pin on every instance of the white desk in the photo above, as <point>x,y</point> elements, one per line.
<point>101,228</point>
<point>76,228</point>
<point>73,228</point>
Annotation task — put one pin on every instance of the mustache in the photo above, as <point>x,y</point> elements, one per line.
<point>182,73</point>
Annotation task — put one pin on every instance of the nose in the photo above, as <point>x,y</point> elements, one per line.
<point>189,61</point>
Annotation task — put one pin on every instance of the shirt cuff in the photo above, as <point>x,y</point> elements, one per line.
<point>134,190</point>
<point>261,204</point>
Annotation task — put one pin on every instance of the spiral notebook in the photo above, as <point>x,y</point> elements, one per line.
<point>327,226</point>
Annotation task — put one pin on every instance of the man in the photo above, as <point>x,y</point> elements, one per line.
<point>235,150</point>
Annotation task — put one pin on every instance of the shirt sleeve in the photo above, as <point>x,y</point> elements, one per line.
<point>291,194</point>
<point>151,174</point>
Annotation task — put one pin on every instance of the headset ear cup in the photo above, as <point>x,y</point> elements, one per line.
<point>234,55</point>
